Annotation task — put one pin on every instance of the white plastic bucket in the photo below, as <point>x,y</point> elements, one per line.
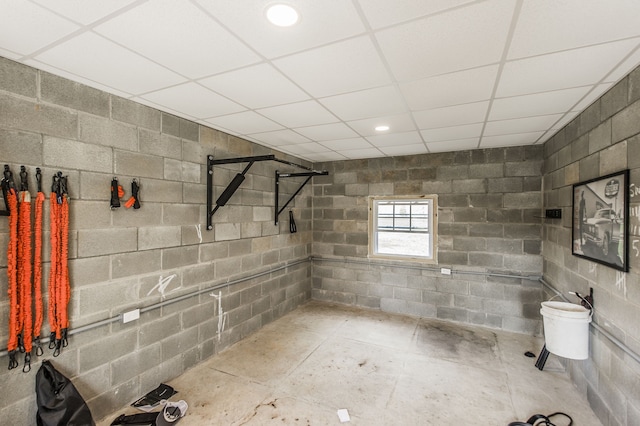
<point>566,329</point>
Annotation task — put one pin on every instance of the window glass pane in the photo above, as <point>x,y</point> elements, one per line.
<point>403,243</point>
<point>402,227</point>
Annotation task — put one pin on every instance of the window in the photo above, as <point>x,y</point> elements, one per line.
<point>403,227</point>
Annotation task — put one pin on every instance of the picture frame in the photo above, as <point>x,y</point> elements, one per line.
<point>600,221</point>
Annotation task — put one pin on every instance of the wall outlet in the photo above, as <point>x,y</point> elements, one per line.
<point>130,316</point>
<point>445,271</point>
<point>553,213</point>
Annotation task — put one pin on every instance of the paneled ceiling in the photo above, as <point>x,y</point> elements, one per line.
<point>444,75</point>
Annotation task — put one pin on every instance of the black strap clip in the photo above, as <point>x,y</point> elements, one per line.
<point>13,362</point>
<point>27,363</point>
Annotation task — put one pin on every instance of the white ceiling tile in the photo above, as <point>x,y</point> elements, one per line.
<point>450,89</point>
<point>451,116</point>
<point>280,137</point>
<point>304,148</point>
<point>325,132</point>
<point>631,63</point>
<point>414,149</point>
<point>381,13</point>
<point>450,133</point>
<point>562,70</point>
<point>464,38</point>
<point>309,113</point>
<point>320,22</point>
<point>110,64</point>
<point>26,27</point>
<point>366,103</point>
<point>397,123</point>
<point>510,140</point>
<point>355,154</point>
<point>247,122</point>
<point>257,86</point>
<point>82,12</point>
<point>190,43</point>
<point>567,24</point>
<point>324,156</point>
<point>537,104</point>
<point>338,68</point>
<point>342,144</point>
<point>395,139</point>
<point>456,145</point>
<point>521,125</point>
<point>195,100</point>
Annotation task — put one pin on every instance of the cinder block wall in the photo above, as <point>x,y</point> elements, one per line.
<point>489,205</point>
<point>604,139</point>
<point>125,259</point>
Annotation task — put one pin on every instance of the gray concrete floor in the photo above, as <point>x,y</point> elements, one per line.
<point>384,369</point>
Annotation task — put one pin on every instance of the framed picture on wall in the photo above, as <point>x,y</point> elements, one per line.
<point>600,226</point>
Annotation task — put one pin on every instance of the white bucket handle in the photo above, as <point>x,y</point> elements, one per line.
<point>591,309</point>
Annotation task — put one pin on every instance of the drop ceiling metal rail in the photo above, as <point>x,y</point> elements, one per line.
<point>186,296</point>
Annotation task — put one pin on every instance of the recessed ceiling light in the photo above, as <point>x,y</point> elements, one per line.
<point>282,15</point>
<point>382,128</point>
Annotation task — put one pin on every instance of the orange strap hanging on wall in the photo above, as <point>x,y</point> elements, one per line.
<point>24,267</point>
<point>37,264</point>
<point>59,288</point>
<point>12,268</point>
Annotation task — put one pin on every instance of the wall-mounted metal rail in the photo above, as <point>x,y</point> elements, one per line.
<point>235,183</point>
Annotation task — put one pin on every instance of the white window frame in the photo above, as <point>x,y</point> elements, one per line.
<point>432,232</point>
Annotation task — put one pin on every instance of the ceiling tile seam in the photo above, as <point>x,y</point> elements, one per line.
<point>586,95</point>
<point>394,81</point>
<point>246,108</point>
<point>83,28</point>
<point>505,52</point>
<point>166,109</point>
<point>572,49</point>
<point>422,17</point>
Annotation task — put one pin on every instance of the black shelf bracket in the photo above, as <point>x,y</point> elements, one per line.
<point>235,183</point>
<point>279,175</point>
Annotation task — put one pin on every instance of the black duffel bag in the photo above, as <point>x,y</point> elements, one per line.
<point>59,403</point>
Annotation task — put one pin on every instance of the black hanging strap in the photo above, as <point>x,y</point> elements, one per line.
<point>292,223</point>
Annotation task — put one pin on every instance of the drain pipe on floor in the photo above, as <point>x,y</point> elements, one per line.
<point>613,339</point>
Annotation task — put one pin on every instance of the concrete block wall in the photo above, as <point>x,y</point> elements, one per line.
<point>124,259</point>
<point>489,229</point>
<point>604,139</point>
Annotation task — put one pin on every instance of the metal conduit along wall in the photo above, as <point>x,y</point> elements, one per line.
<point>424,268</point>
<point>106,321</point>
<point>597,327</point>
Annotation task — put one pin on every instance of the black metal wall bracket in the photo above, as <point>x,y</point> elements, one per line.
<point>235,183</point>
<point>279,175</point>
